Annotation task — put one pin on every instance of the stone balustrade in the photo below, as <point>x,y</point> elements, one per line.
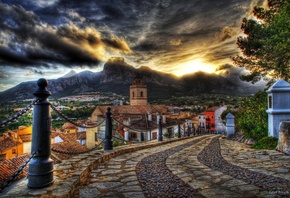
<point>72,172</point>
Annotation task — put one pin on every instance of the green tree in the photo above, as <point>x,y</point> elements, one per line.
<point>265,48</point>
<point>252,118</point>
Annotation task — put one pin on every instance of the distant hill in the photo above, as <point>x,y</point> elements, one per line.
<point>117,76</point>
<point>70,74</point>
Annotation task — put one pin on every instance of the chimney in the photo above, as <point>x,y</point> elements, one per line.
<point>149,117</point>
<point>158,117</point>
<point>164,119</point>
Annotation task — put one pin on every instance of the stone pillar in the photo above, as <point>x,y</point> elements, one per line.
<point>126,135</point>
<point>179,132</point>
<point>150,135</point>
<point>230,124</point>
<point>284,137</point>
<point>160,138</point>
<point>40,169</point>
<point>278,106</point>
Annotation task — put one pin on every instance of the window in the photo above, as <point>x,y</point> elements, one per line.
<point>154,135</point>
<point>141,94</point>
<point>270,102</point>
<point>133,94</point>
<point>133,135</point>
<point>13,151</point>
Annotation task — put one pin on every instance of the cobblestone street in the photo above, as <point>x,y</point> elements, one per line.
<point>203,166</point>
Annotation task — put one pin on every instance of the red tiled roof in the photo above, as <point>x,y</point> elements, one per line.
<point>9,166</point>
<point>128,109</point>
<point>73,148</point>
<point>67,137</point>
<point>7,144</point>
<point>69,125</point>
<point>82,135</point>
<point>26,138</point>
<point>212,109</point>
<point>143,124</point>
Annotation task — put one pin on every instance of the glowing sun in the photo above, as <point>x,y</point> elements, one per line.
<point>194,66</point>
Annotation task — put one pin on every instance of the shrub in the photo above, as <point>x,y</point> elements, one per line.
<point>166,134</point>
<point>252,118</point>
<point>266,143</point>
<point>118,143</point>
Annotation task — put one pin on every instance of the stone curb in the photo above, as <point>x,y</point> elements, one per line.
<point>72,172</point>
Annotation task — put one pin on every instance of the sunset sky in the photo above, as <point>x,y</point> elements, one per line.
<point>48,38</point>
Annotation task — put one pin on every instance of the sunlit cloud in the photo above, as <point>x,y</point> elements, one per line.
<point>3,75</point>
<point>4,86</point>
<point>176,42</point>
<point>49,38</point>
<point>194,66</point>
<point>34,43</point>
<point>44,3</point>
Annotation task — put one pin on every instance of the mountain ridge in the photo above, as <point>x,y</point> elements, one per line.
<point>117,76</point>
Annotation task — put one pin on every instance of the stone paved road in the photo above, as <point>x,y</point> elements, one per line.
<point>121,176</point>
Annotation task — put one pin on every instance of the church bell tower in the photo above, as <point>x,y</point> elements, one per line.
<point>138,92</point>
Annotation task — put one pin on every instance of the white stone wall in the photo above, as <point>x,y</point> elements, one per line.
<point>201,120</point>
<point>219,126</point>
<point>279,109</point>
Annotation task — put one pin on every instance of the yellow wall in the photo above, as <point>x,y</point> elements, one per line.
<point>70,130</point>
<point>18,151</point>
<point>24,130</point>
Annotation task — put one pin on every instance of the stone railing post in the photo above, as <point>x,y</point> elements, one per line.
<point>108,131</point>
<point>230,124</point>
<point>160,138</point>
<point>40,169</point>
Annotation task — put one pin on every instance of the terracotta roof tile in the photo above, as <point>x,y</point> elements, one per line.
<point>67,137</point>
<point>70,147</point>
<point>212,108</point>
<point>9,166</point>
<point>7,144</point>
<point>144,124</point>
<point>69,125</point>
<point>26,138</point>
<point>128,109</point>
<point>82,135</point>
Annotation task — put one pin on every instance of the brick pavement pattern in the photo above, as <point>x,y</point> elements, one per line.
<point>189,168</point>
<point>200,166</point>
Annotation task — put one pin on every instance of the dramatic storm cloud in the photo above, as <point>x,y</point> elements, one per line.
<point>48,38</point>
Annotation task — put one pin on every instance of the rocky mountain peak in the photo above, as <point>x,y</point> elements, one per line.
<point>69,74</point>
<point>145,68</point>
<point>116,60</point>
<point>117,76</point>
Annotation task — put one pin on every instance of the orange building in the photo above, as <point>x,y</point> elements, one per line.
<point>69,128</point>
<point>11,145</point>
<point>24,130</point>
<point>25,134</point>
<point>209,117</point>
<point>213,119</point>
